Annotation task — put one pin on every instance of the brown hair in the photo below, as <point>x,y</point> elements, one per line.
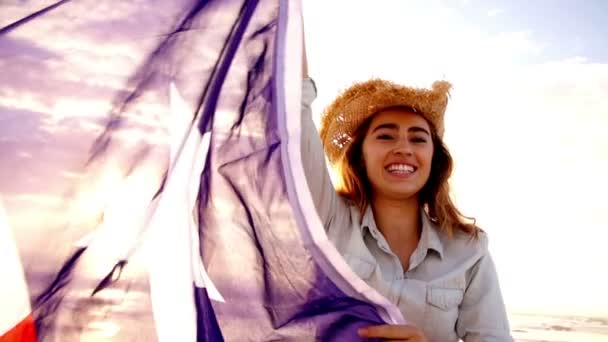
<point>434,196</point>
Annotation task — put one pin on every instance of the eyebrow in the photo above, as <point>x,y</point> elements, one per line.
<point>396,127</point>
<point>419,129</point>
<point>386,126</point>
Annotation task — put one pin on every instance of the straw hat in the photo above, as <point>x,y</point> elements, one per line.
<point>342,118</point>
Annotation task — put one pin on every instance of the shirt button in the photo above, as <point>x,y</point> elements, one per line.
<point>385,249</point>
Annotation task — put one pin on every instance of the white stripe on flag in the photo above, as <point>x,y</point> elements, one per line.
<point>179,122</point>
<point>175,268</point>
<point>14,294</point>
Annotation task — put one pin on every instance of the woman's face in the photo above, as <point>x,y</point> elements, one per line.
<point>397,152</point>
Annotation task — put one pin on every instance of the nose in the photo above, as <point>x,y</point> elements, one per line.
<point>403,147</point>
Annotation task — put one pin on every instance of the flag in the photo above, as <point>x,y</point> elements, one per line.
<point>16,323</point>
<point>156,185</point>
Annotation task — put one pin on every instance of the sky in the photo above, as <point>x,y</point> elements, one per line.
<point>526,123</point>
<point>61,79</point>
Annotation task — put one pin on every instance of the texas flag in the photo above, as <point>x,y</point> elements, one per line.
<point>151,171</point>
<point>16,323</point>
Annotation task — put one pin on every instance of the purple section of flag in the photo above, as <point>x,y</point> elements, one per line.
<point>222,56</point>
<point>206,323</point>
<point>251,244</point>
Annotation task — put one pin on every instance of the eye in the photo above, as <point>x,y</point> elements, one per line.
<point>419,140</point>
<point>384,137</point>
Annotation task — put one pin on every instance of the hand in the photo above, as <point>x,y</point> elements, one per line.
<point>393,333</point>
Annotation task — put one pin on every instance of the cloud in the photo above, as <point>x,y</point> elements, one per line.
<point>515,43</point>
<point>90,57</point>
<point>54,105</point>
<point>61,90</point>
<point>531,158</point>
<point>17,124</point>
<point>36,156</point>
<point>495,11</point>
<point>35,198</point>
<point>25,48</point>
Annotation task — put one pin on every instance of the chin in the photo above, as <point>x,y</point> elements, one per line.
<point>402,194</point>
<point>402,190</point>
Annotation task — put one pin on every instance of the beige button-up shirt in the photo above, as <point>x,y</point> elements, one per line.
<point>451,290</point>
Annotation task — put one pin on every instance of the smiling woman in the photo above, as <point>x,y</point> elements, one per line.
<point>391,215</point>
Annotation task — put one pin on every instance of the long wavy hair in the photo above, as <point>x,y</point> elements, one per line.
<point>434,196</point>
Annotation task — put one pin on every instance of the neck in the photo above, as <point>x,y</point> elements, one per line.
<point>398,220</point>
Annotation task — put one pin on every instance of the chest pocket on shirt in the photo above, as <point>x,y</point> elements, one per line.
<point>442,301</point>
<point>444,298</point>
<point>442,310</point>
<point>446,294</point>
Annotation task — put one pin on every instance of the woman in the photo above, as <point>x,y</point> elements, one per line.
<point>391,216</point>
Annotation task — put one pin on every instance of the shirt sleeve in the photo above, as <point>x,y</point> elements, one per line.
<point>330,207</point>
<point>482,316</point>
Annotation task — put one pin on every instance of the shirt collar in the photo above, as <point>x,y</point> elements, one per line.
<point>429,237</point>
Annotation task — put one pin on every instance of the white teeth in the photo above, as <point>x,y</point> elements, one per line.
<point>400,168</point>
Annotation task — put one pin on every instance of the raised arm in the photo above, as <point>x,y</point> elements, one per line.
<point>330,207</point>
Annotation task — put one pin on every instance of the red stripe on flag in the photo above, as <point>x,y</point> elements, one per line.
<point>25,331</point>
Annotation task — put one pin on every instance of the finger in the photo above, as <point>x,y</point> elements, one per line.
<point>414,337</point>
<point>388,332</point>
<point>407,339</point>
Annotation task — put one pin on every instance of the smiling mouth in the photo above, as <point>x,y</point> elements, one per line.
<point>401,169</point>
